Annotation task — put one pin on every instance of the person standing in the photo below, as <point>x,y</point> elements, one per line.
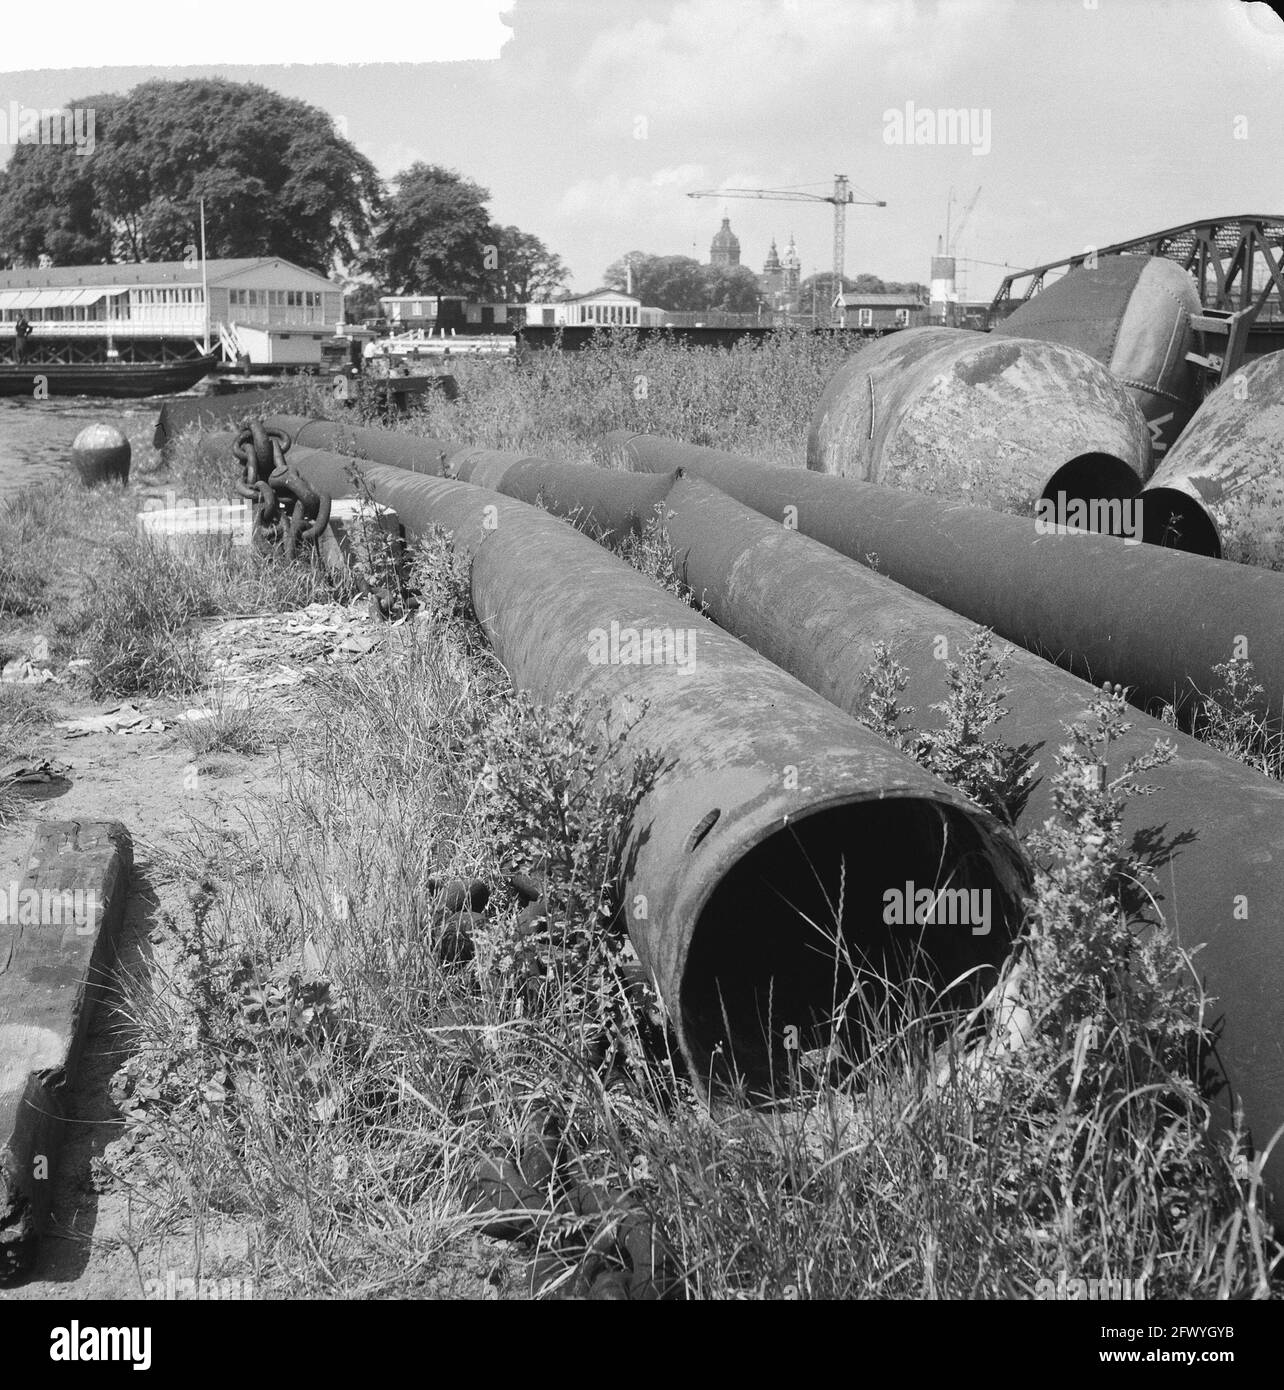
<point>22,330</point>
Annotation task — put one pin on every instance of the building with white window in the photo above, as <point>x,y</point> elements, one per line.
<point>598,309</point>
<point>267,308</point>
<point>880,312</point>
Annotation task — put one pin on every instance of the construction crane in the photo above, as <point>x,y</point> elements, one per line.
<point>842,197</point>
<point>952,238</point>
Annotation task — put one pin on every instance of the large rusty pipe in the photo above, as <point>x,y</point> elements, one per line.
<point>597,504</point>
<point>741,842</point>
<point>1134,315</point>
<point>819,616</point>
<point>1221,490</point>
<point>1157,621</point>
<point>996,422</point>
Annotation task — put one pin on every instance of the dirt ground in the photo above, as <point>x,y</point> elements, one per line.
<point>95,1247</point>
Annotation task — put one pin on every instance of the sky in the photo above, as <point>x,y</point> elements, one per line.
<point>1088,121</point>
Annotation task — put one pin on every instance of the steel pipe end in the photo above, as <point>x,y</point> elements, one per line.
<point>979,419</point>
<point>1176,519</point>
<point>825,934</point>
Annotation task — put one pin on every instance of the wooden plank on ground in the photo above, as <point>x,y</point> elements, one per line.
<point>58,933</point>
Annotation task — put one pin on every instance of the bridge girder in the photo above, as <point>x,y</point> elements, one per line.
<point>1221,254</point>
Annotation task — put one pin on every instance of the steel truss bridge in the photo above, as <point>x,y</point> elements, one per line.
<point>1224,255</point>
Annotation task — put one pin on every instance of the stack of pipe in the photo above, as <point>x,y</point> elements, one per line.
<point>1212,827</point>
<point>759,863</point>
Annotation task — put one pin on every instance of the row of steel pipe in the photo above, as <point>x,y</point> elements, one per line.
<point>1157,621</point>
<point>760,834</point>
<point>1211,826</point>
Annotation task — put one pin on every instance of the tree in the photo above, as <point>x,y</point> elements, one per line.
<point>436,237</point>
<point>616,275</point>
<point>360,301</point>
<point>48,204</point>
<point>276,176</point>
<point>730,288</point>
<point>664,282</point>
<point>683,285</point>
<point>527,269</point>
<point>864,283</point>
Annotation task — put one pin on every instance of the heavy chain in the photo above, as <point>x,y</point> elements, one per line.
<point>288,511</point>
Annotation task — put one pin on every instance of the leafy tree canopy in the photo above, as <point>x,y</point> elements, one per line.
<point>277,179</point>
<point>864,283</point>
<point>527,269</point>
<point>435,234</point>
<point>681,284</point>
<point>48,203</point>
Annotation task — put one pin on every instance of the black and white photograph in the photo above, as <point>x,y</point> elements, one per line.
<point>641,660</point>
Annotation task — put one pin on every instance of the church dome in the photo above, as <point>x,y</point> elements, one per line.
<point>725,247</point>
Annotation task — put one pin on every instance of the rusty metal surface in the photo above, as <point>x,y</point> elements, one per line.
<point>1133,315</point>
<point>1221,489</point>
<point>212,412</point>
<point>967,416</point>
<point>748,825</point>
<point>1155,620</point>
<point>417,453</point>
<point>818,616</point>
<point>598,503</point>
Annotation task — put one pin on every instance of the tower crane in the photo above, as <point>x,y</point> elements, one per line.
<point>841,198</point>
<point>952,239</point>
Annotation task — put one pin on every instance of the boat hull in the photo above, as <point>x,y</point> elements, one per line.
<point>105,378</point>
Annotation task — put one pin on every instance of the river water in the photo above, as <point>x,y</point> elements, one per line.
<point>36,436</point>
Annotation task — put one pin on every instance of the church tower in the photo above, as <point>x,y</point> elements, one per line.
<point>771,281</point>
<point>725,247</point>
<point>791,270</point>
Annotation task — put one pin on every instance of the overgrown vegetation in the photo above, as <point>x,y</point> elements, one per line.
<point>397,1008</point>
<point>753,398</point>
<point>76,574</point>
<point>995,776</point>
<point>651,554</point>
<point>365,1071</point>
<point>1228,719</point>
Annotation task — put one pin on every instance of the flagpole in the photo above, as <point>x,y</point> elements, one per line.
<point>205,281</point>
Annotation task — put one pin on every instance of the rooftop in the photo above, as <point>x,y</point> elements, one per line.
<point>904,300</point>
<point>139,273</point>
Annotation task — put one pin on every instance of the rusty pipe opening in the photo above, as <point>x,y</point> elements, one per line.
<point>1092,477</point>
<point>827,928</point>
<point>1174,519</point>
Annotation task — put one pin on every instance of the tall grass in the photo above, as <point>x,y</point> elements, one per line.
<point>397,1008</point>
<point>753,398</point>
<point>366,1076</point>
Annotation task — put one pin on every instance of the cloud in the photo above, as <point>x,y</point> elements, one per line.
<point>729,68</point>
<point>617,199</point>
